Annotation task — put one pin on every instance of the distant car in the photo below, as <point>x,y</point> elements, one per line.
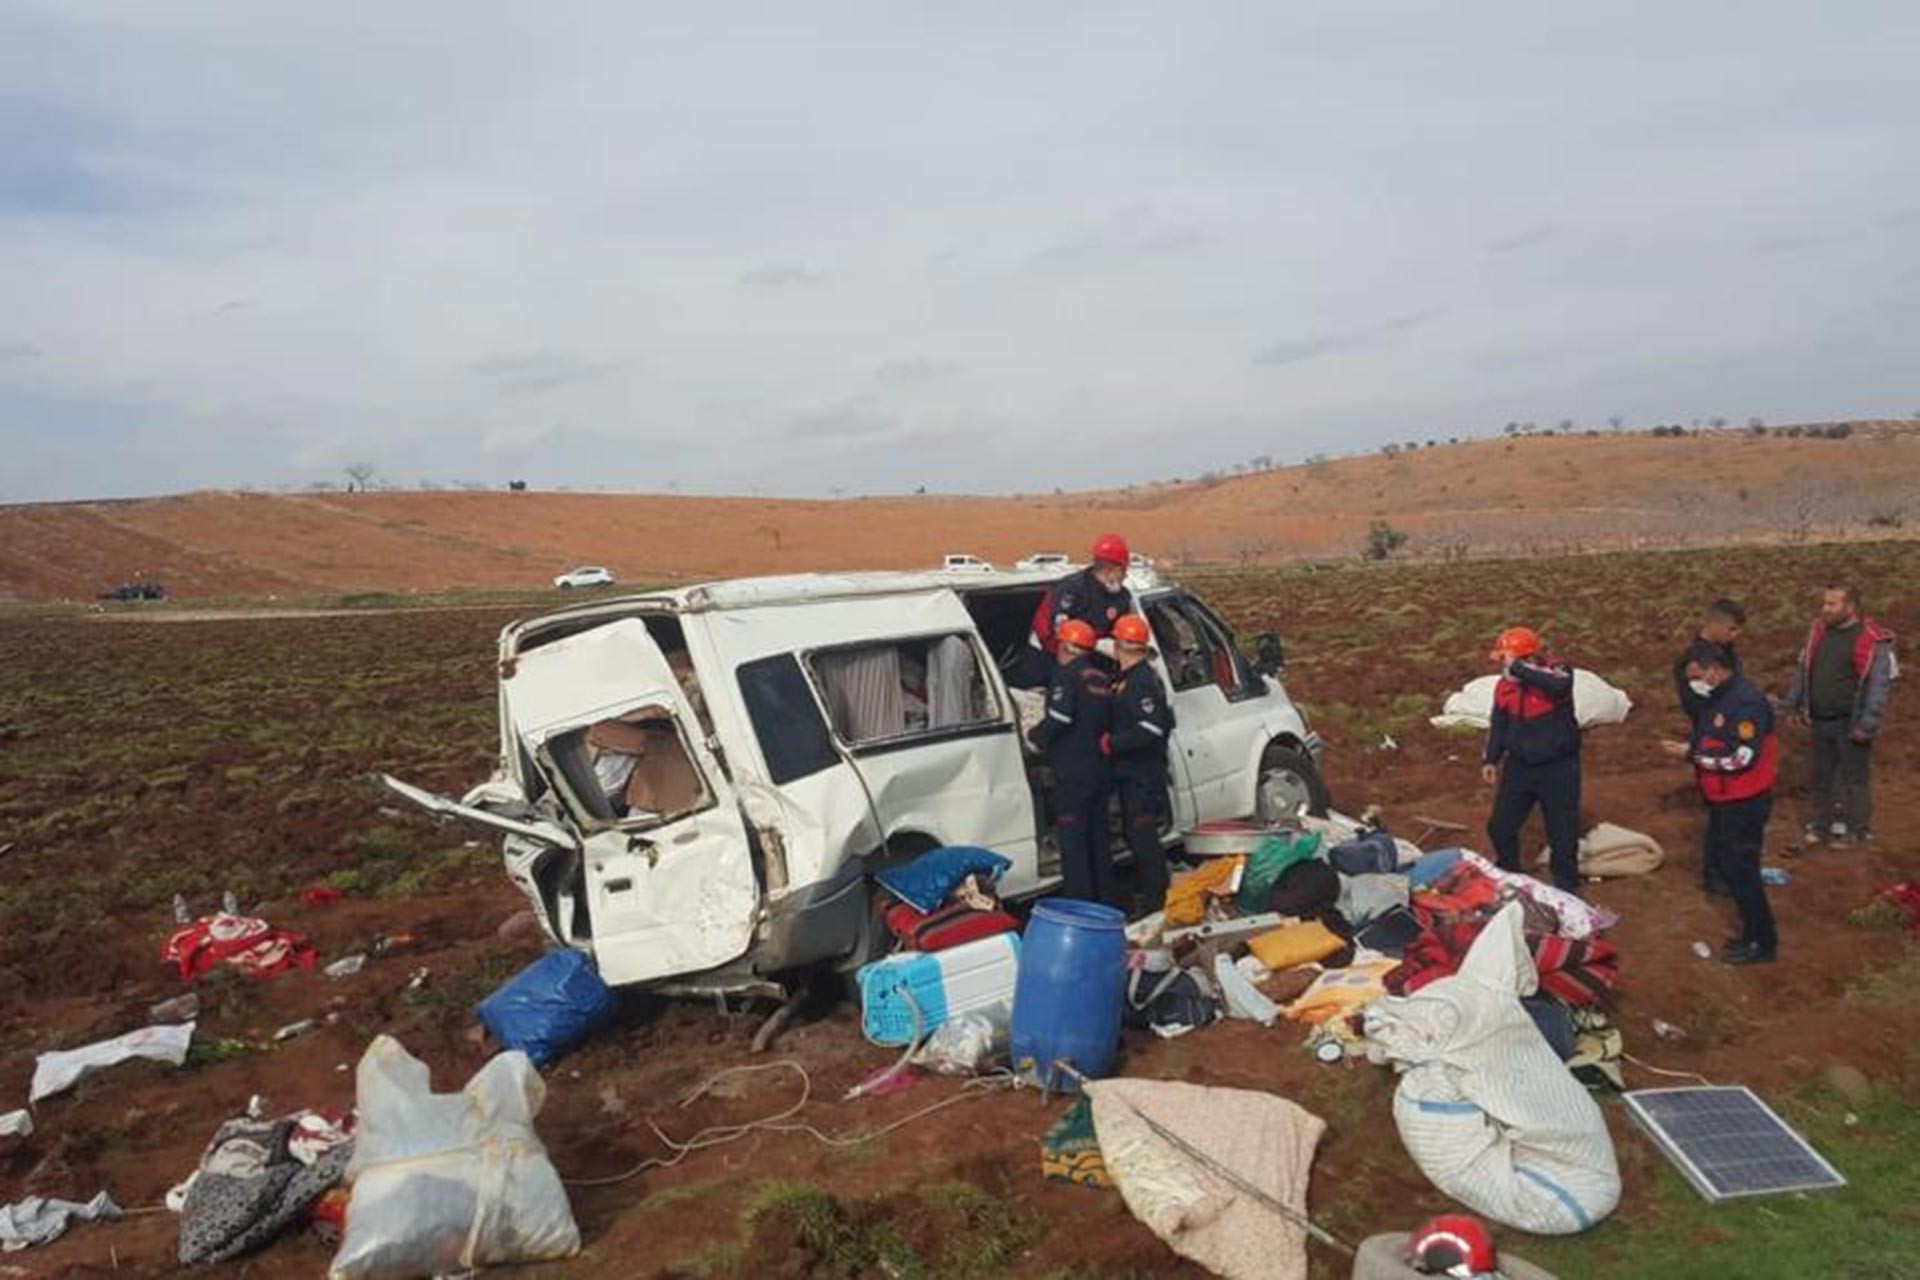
<point>964,564</point>
<point>136,591</point>
<point>587,575</point>
<point>1043,562</point>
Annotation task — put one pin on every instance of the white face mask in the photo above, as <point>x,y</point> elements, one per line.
<point>1701,687</point>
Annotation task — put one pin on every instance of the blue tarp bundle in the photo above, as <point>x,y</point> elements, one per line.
<point>549,1007</point>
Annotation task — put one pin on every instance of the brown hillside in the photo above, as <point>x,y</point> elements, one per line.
<point>1541,493</point>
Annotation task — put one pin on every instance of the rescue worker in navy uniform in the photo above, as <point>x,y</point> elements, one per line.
<point>1735,755</point>
<point>1533,753</point>
<point>1096,595</point>
<point>1137,746</point>
<point>1079,715</point>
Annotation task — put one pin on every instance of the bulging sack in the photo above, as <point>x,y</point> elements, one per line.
<point>444,1182</point>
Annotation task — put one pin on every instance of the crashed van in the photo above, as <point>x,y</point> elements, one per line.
<point>697,785</point>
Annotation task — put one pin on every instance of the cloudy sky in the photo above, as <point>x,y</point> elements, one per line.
<point>823,247</point>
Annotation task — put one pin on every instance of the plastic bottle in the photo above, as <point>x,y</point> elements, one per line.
<point>1702,950</point>
<point>180,913</point>
<point>346,966</point>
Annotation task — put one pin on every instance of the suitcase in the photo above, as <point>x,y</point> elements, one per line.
<point>943,984</point>
<point>950,926</point>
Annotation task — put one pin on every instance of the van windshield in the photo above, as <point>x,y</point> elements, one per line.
<point>902,689</point>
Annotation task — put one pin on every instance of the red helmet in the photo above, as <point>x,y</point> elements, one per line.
<point>1076,633</point>
<point>1453,1244</point>
<point>1521,642</point>
<point>1110,548</point>
<point>1131,628</point>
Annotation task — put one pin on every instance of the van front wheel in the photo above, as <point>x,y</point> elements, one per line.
<point>1289,784</point>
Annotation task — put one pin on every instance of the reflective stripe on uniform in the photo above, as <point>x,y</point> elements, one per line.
<point>1061,716</point>
<point>1153,728</point>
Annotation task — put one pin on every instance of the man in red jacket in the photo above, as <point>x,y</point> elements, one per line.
<point>1736,758</point>
<point>1840,688</point>
<point>1533,753</point>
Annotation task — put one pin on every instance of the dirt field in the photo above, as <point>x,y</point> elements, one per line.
<point>1528,496</point>
<point>137,762</point>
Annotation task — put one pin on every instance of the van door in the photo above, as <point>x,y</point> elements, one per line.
<point>1217,702</point>
<point>669,877</point>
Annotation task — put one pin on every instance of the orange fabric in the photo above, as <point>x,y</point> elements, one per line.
<point>1187,898</point>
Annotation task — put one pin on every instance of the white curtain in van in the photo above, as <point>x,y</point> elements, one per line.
<point>952,684</point>
<point>864,693</point>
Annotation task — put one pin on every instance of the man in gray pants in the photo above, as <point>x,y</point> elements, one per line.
<point>1840,689</point>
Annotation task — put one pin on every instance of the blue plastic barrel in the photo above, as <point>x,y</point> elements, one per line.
<point>1066,1001</point>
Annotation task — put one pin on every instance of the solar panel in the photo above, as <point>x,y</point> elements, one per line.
<point>1728,1143</point>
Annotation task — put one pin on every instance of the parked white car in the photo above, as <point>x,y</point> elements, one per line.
<point>1044,562</point>
<point>696,785</point>
<point>956,563</point>
<point>587,575</point>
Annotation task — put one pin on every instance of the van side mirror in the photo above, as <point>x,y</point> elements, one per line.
<point>1269,655</point>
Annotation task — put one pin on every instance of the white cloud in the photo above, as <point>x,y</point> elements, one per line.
<point>631,243</point>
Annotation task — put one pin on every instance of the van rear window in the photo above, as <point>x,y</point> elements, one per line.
<point>793,737</point>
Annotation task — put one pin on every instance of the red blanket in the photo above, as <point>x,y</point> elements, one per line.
<point>250,945</point>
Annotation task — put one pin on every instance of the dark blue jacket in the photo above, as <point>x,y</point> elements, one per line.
<point>1533,721</point>
<point>1083,596</point>
<point>1142,723</point>
<point>1079,714</point>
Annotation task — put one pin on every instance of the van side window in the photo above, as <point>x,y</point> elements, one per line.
<point>1199,650</point>
<point>786,720</point>
<point>903,689</point>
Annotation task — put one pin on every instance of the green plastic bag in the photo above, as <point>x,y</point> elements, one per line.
<point>1269,862</point>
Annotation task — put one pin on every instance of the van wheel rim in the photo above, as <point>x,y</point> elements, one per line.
<point>1284,793</point>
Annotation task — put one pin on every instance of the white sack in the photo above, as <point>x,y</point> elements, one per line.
<point>16,1124</point>
<point>445,1182</point>
<point>1264,1140</point>
<point>1594,702</point>
<point>58,1071</point>
<point>1485,1106</point>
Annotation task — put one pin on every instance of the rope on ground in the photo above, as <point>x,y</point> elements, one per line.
<point>778,1122</point>
<point>1662,1071</point>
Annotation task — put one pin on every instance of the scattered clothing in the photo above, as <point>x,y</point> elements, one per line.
<point>1169,1002</point>
<point>1240,997</point>
<point>1364,899</point>
<point>1577,918</point>
<point>249,944</point>
<point>1431,867</point>
<point>1338,993</point>
<point>1305,890</point>
<point>60,1070</point>
<point>1896,905</point>
<point>1270,860</point>
<point>16,1124</point>
<point>1369,854</point>
<point>1070,1152</point>
<point>1578,971</point>
<point>1391,934</point>
<point>256,1179</point>
<point>929,880</point>
<point>1263,1140</point>
<point>37,1220</point>
<point>1214,878</point>
<point>1294,944</point>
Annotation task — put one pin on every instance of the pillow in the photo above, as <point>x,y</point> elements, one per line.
<point>1295,944</point>
<point>925,882</point>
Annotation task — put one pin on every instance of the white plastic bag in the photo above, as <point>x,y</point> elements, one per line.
<point>968,1044</point>
<point>58,1071</point>
<point>449,1181</point>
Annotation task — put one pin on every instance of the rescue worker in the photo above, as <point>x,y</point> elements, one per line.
<point>1735,755</point>
<point>1533,753</point>
<point>1079,715</point>
<point>1096,595</point>
<point>1840,689</point>
<point>1720,626</point>
<point>1137,747</point>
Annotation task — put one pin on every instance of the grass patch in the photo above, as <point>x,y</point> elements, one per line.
<point>1897,983</point>
<point>1868,1230</point>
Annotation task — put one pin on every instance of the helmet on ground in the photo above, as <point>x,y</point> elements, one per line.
<point>1521,642</point>
<point>1453,1244</point>
<point>1076,633</point>
<point>1131,628</point>
<point>1110,548</point>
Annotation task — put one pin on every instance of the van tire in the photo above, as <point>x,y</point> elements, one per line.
<point>1287,776</point>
